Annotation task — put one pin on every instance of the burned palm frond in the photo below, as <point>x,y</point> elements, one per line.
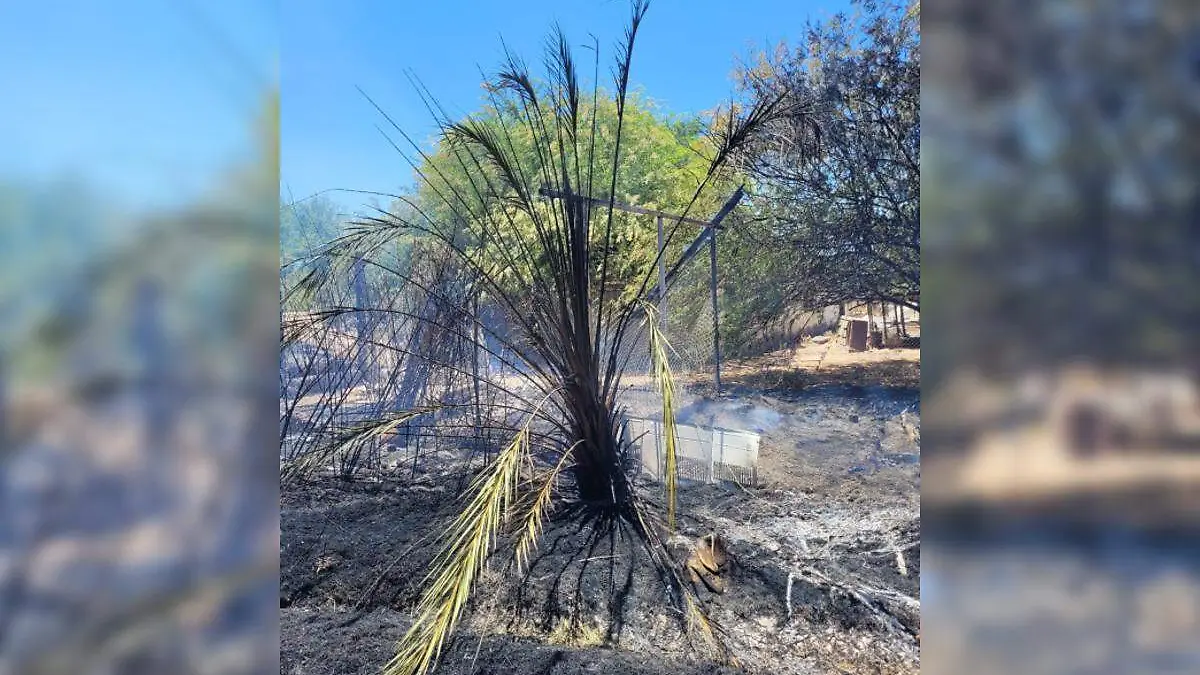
<point>365,356</point>
<point>304,290</point>
<point>736,127</point>
<point>347,440</point>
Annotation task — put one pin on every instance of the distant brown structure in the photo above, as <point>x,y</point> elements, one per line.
<point>856,333</point>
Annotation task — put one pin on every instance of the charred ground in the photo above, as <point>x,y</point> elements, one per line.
<point>825,576</point>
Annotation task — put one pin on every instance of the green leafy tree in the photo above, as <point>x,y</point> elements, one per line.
<point>840,179</point>
<point>662,162</point>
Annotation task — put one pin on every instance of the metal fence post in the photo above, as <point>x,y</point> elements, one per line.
<point>712,259</point>
<point>662,277</point>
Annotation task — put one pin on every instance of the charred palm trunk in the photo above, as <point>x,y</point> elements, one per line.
<point>599,470</point>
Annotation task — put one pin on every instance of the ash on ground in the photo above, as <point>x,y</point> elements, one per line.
<point>826,548</point>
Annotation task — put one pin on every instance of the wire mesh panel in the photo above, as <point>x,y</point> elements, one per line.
<point>686,321</point>
<point>380,350</point>
<point>705,454</point>
<point>688,324</point>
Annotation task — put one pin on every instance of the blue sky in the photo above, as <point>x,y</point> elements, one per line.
<point>150,101</point>
<point>145,101</point>
<point>685,53</point>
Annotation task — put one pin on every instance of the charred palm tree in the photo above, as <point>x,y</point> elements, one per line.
<point>545,264</point>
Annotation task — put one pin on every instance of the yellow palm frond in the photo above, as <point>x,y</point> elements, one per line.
<point>661,367</point>
<point>468,542</point>
<point>532,529</point>
<point>698,621</point>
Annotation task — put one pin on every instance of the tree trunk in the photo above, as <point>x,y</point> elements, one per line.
<point>883,320</point>
<point>870,325</point>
